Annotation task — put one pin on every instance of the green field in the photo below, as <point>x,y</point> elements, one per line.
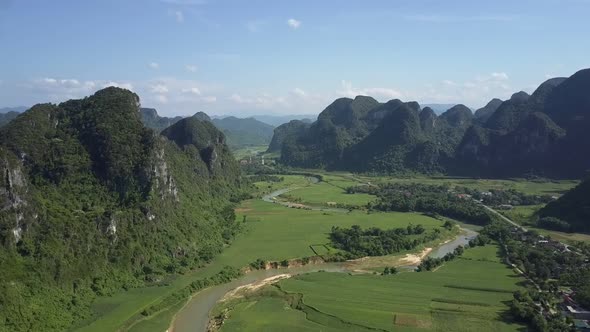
<point>271,232</point>
<point>467,294</point>
<point>289,181</point>
<point>248,151</point>
<point>548,187</point>
<point>525,215</point>
<point>324,193</point>
<point>274,232</point>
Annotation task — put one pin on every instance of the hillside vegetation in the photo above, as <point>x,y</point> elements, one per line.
<point>94,202</point>
<point>528,135</point>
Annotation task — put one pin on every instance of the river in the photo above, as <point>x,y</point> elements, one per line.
<point>194,316</point>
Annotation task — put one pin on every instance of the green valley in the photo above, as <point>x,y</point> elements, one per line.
<point>221,166</point>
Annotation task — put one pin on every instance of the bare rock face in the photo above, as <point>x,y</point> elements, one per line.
<point>161,180</point>
<point>13,190</point>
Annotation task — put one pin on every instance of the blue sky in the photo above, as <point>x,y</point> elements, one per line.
<point>286,57</point>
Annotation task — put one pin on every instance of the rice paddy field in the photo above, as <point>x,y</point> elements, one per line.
<point>325,194</point>
<point>525,215</point>
<point>275,232</point>
<point>532,187</point>
<point>270,232</point>
<point>467,294</point>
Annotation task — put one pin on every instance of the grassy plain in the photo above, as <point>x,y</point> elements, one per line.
<point>274,232</point>
<point>526,216</point>
<point>533,187</point>
<point>271,232</point>
<point>467,294</point>
<point>325,193</point>
<point>249,151</point>
<point>289,181</point>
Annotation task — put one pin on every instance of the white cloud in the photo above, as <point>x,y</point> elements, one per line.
<point>70,82</point>
<point>159,88</point>
<point>127,86</point>
<point>50,80</point>
<point>500,76</point>
<point>237,99</point>
<point>379,93</point>
<point>209,99</point>
<point>193,90</point>
<point>299,92</point>
<point>179,15</point>
<point>293,23</point>
<point>154,65</point>
<point>493,77</point>
<point>162,99</point>
<point>262,101</point>
<point>191,68</point>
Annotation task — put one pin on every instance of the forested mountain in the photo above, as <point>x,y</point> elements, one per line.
<point>542,134</point>
<point>339,126</point>
<point>286,132</point>
<point>151,119</point>
<point>18,109</point>
<point>93,201</point>
<point>539,134</point>
<point>7,117</point>
<point>364,135</point>
<point>244,132</point>
<point>7,114</point>
<point>439,108</point>
<point>277,120</point>
<point>483,114</point>
<point>239,132</point>
<point>573,208</point>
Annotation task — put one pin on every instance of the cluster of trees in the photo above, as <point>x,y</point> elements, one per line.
<point>428,198</point>
<point>431,263</point>
<point>525,308</point>
<point>549,268</point>
<point>507,196</point>
<point>572,208</point>
<point>265,178</point>
<point>389,271</point>
<point>554,224</point>
<point>258,264</point>
<point>227,274</point>
<point>377,242</point>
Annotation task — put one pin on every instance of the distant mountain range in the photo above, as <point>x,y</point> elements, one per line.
<point>7,117</point>
<point>277,120</point>
<point>18,109</point>
<point>439,108</point>
<point>544,134</point>
<point>239,132</point>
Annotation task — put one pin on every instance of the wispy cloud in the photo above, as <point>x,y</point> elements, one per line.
<point>154,65</point>
<point>380,93</point>
<point>193,90</point>
<point>293,23</point>
<point>255,25</point>
<point>191,68</point>
<point>179,15</point>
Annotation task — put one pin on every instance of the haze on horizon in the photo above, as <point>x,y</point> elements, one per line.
<point>274,57</point>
